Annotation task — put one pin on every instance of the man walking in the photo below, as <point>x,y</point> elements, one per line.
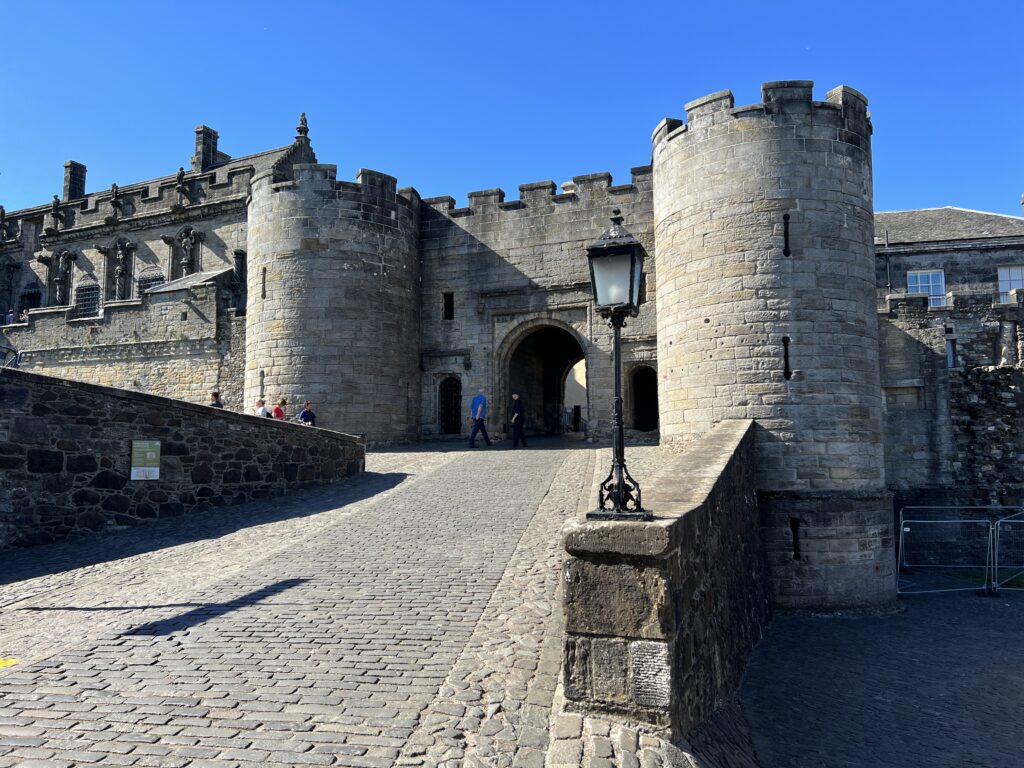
<point>478,411</point>
<point>518,421</point>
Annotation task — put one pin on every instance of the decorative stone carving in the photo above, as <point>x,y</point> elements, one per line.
<point>183,251</point>
<point>3,224</point>
<point>55,215</point>
<point>120,255</point>
<point>181,188</point>
<point>59,266</point>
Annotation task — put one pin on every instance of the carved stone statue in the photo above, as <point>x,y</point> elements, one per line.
<point>62,276</point>
<point>3,224</point>
<point>179,178</point>
<point>181,187</point>
<point>55,211</point>
<point>115,197</point>
<point>186,259</point>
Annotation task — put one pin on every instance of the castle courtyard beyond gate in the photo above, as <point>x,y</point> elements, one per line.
<point>410,616</point>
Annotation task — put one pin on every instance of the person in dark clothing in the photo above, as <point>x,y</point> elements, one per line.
<point>518,421</point>
<point>215,400</point>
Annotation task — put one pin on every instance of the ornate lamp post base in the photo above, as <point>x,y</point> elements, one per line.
<point>618,497</point>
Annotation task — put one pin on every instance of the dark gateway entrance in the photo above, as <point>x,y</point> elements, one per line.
<point>644,386</point>
<point>449,406</point>
<point>537,371</point>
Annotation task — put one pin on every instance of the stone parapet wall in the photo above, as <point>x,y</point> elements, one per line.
<point>65,457</point>
<point>661,616</point>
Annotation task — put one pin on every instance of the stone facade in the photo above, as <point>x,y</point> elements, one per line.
<point>661,616</point>
<point>65,457</point>
<point>768,285</point>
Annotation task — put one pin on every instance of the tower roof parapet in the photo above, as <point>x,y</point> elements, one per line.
<point>782,99</point>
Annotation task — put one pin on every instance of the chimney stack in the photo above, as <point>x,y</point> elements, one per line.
<point>74,180</point>
<point>206,148</point>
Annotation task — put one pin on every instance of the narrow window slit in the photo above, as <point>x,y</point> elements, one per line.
<point>785,235</point>
<point>787,372</point>
<point>794,526</point>
<point>263,283</point>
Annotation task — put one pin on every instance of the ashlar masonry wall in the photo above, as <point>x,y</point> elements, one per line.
<point>516,267</point>
<point>65,457</point>
<point>182,344</point>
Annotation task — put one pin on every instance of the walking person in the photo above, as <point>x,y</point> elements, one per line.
<point>260,409</point>
<point>278,411</point>
<point>478,412</point>
<point>215,400</point>
<point>518,421</point>
<point>306,415</point>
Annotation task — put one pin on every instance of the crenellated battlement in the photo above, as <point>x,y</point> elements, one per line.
<point>584,188</point>
<point>782,102</point>
<point>321,180</point>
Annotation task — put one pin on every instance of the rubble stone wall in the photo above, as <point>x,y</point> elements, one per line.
<point>65,457</point>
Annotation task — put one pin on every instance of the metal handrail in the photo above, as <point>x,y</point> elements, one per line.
<point>9,357</point>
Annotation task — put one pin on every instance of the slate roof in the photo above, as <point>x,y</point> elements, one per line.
<point>949,223</point>
<point>189,280</point>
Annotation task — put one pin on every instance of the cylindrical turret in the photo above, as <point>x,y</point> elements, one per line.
<point>766,311</point>
<point>332,313</point>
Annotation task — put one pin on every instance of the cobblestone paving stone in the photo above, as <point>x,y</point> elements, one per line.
<point>318,640</point>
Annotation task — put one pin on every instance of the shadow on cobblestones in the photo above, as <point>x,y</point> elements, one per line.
<point>21,564</point>
<point>208,611</point>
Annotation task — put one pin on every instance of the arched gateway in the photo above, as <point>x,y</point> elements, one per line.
<point>535,361</point>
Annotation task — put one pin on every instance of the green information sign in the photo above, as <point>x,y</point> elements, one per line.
<point>145,459</point>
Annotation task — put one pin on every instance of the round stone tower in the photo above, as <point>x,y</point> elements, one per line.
<point>331,315</point>
<point>766,310</point>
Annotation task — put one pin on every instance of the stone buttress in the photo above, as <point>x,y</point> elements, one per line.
<point>332,313</point>
<point>766,310</point>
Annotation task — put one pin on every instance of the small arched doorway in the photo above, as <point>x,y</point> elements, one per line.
<point>644,388</point>
<point>449,406</point>
<point>537,371</point>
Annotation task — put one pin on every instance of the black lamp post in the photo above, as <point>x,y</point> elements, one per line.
<point>616,274</point>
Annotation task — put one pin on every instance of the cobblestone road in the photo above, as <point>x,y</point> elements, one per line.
<point>338,627</point>
<point>410,617</point>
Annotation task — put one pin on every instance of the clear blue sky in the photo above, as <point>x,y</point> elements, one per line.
<point>454,97</point>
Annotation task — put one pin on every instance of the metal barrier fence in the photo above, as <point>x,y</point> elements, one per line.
<point>960,549</point>
<point>1008,568</point>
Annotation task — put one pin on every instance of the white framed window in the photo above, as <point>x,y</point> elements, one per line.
<point>930,281</point>
<point>1010,277</point>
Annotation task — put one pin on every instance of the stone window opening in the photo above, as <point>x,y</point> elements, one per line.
<point>30,298</point>
<point>929,281</point>
<point>449,305</point>
<point>794,528</point>
<point>951,353</point>
<point>263,283</point>
<point>87,299</point>
<point>1011,277</point>
<point>787,372</point>
<point>150,278</point>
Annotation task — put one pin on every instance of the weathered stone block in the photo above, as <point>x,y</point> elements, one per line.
<point>616,599</point>
<point>43,461</point>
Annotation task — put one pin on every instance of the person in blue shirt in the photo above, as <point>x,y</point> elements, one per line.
<point>306,415</point>
<point>478,412</point>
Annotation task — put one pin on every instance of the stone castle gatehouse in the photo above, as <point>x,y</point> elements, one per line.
<point>857,341</point>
